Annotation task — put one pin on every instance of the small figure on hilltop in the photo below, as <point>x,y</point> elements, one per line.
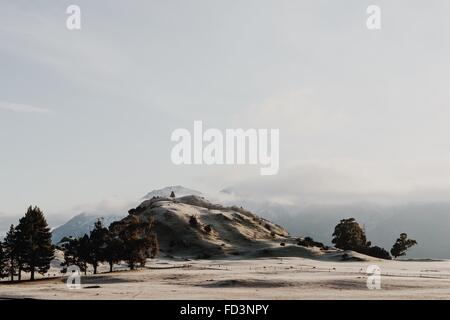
<point>172,194</point>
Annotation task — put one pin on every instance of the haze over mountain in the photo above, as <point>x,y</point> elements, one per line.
<point>427,222</point>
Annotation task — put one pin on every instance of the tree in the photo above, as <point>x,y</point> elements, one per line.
<point>20,249</point>
<point>9,247</point>
<point>402,245</point>
<point>97,244</point>
<point>83,250</point>
<point>349,235</point>
<point>13,252</point>
<point>35,242</point>
<point>139,240</point>
<point>69,246</point>
<point>76,252</point>
<point>172,194</point>
<point>114,250</point>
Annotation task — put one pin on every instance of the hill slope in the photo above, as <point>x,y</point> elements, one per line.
<point>193,227</point>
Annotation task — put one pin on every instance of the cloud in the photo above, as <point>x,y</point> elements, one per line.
<point>113,204</point>
<point>22,108</point>
<point>346,181</point>
<point>300,111</point>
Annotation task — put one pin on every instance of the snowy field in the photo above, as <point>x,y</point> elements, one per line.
<point>272,278</point>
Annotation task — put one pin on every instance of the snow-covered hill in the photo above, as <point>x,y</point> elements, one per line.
<point>193,227</point>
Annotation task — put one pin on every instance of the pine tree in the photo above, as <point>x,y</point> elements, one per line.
<point>114,250</point>
<point>98,240</point>
<point>9,251</point>
<point>172,194</point>
<point>76,252</point>
<point>36,248</point>
<point>69,245</point>
<point>83,252</point>
<point>20,250</point>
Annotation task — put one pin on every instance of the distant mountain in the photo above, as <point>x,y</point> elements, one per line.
<point>179,191</point>
<point>81,224</point>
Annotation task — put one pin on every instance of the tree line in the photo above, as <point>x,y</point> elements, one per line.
<point>348,235</point>
<point>132,240</point>
<point>27,247</point>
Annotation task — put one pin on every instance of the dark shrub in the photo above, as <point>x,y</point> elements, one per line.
<point>309,242</point>
<point>374,251</point>
<point>193,222</point>
<point>136,210</point>
<point>208,228</point>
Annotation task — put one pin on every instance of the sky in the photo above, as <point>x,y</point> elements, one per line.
<point>86,115</point>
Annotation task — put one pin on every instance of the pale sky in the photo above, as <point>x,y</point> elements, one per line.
<point>86,116</point>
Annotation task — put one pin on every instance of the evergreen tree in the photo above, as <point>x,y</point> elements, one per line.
<point>9,252</point>
<point>97,243</point>
<point>138,241</point>
<point>20,250</point>
<point>35,246</point>
<point>114,250</point>
<point>172,194</point>
<point>68,246</point>
<point>83,252</point>
<point>402,245</point>
<point>75,252</point>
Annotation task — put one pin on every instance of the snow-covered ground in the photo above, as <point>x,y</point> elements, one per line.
<point>271,278</point>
